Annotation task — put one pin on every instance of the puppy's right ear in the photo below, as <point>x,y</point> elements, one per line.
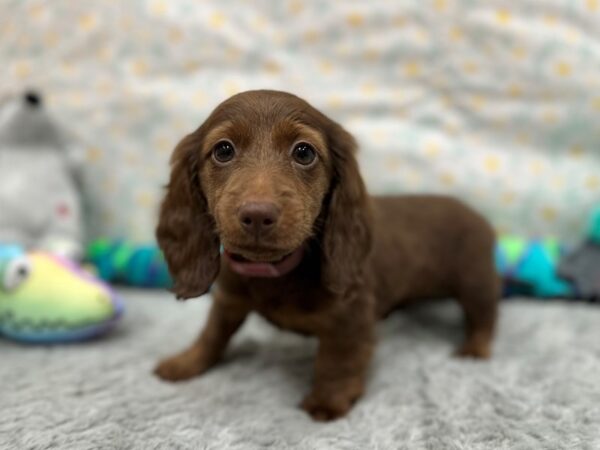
<point>186,231</point>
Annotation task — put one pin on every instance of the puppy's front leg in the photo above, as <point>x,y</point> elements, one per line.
<point>225,318</point>
<point>341,368</point>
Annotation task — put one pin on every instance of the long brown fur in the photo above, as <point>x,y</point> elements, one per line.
<point>363,256</point>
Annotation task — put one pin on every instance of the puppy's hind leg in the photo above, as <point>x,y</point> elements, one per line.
<point>478,295</point>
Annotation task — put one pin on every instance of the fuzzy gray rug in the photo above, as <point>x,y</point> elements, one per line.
<point>542,389</point>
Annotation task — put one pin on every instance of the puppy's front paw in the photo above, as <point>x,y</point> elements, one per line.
<point>474,350</point>
<point>179,367</point>
<point>326,408</point>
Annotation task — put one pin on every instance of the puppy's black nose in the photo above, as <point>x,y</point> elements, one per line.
<point>32,98</point>
<point>258,217</point>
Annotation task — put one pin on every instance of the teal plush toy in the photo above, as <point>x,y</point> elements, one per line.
<point>47,299</point>
<point>119,261</point>
<point>529,267</point>
<point>594,227</point>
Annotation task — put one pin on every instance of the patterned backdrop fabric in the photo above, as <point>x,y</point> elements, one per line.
<point>497,102</point>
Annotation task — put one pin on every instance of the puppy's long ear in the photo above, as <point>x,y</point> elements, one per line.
<point>347,236</point>
<point>186,231</point>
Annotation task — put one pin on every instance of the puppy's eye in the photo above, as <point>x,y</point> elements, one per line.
<point>223,152</point>
<point>304,154</point>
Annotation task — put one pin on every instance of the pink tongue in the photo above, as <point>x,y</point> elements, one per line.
<point>264,269</point>
<point>254,269</point>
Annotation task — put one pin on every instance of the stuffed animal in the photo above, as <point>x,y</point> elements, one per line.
<point>39,197</point>
<point>119,261</point>
<point>582,266</point>
<point>529,267</point>
<point>47,299</point>
<point>44,295</point>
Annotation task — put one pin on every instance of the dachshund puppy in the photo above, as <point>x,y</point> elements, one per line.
<point>276,184</point>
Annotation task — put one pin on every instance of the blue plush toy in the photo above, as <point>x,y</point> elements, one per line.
<point>529,267</point>
<point>119,261</point>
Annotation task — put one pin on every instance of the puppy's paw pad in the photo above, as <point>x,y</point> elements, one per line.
<point>177,368</point>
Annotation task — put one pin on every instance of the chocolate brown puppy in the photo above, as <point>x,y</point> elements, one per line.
<point>276,184</point>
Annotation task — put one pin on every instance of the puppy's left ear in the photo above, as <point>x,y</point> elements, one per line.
<point>347,235</point>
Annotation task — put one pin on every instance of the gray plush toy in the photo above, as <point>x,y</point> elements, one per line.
<point>582,266</point>
<point>40,205</point>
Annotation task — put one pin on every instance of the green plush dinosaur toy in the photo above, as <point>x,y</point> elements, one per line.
<point>47,299</point>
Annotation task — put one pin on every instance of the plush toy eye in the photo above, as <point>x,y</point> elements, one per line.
<point>223,152</point>
<point>15,273</point>
<point>304,154</point>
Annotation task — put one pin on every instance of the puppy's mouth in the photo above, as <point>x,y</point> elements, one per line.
<point>264,269</point>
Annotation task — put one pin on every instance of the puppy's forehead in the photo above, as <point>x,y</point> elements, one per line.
<point>263,110</point>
